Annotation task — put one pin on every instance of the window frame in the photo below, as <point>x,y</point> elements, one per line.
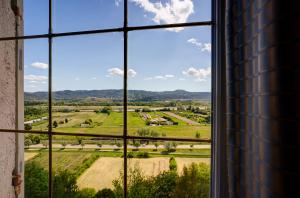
<point>217,102</point>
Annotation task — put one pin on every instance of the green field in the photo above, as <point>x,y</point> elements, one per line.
<point>113,124</point>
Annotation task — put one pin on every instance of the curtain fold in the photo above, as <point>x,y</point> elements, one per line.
<point>263,98</point>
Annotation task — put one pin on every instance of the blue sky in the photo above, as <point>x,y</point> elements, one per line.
<point>158,60</point>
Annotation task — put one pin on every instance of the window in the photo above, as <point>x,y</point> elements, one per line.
<point>112,100</point>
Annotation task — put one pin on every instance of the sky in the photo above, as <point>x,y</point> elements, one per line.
<point>158,60</point>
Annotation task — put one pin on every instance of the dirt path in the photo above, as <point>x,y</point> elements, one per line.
<point>106,169</point>
<point>28,156</point>
<point>191,122</point>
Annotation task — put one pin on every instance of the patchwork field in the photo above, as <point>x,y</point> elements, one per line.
<point>103,123</point>
<point>106,169</point>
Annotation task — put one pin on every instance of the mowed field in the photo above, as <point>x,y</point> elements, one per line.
<point>106,169</point>
<point>113,124</point>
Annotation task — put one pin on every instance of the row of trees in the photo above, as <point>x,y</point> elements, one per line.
<point>193,182</point>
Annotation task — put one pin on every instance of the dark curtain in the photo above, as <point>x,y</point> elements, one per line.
<point>263,98</point>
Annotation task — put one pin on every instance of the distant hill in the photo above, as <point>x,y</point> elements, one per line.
<point>140,95</point>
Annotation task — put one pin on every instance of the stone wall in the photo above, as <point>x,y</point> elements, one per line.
<point>9,119</point>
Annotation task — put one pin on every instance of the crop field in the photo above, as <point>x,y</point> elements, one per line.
<point>112,123</point>
<point>106,169</point>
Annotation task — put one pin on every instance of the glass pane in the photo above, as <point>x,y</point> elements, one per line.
<point>170,92</point>
<point>36,158</point>
<point>36,84</point>
<point>87,84</point>
<point>91,165</point>
<point>33,14</point>
<point>168,169</point>
<point>81,15</point>
<point>168,12</point>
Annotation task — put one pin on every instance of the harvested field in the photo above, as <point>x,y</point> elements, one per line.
<point>106,169</point>
<point>28,156</point>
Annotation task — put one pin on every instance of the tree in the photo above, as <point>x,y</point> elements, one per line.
<point>45,144</point>
<point>156,145</point>
<point>82,145</point>
<point>191,146</point>
<point>99,145</point>
<point>174,145</point>
<point>194,182</point>
<point>168,146</point>
<point>86,193</point>
<point>197,135</point>
<point>105,193</point>
<point>137,144</point>
<point>27,127</point>
<point>64,185</point>
<point>164,184</point>
<point>64,144</point>
<point>66,120</point>
<point>79,140</point>
<point>36,181</point>
<point>27,142</point>
<point>55,124</point>
<point>172,164</point>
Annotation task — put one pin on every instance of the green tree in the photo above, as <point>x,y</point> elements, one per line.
<point>164,184</point>
<point>27,142</point>
<point>66,120</point>
<point>36,181</point>
<point>64,185</point>
<point>137,144</point>
<point>197,135</point>
<point>27,127</point>
<point>55,124</point>
<point>105,193</point>
<point>156,145</point>
<point>172,164</point>
<point>194,182</point>
<point>86,193</point>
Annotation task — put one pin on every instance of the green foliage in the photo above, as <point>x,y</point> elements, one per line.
<point>35,139</point>
<point>142,155</point>
<point>105,193</point>
<point>194,182</point>
<point>86,193</point>
<point>64,185</point>
<point>31,113</point>
<point>172,164</point>
<point>137,144</point>
<point>27,143</point>
<point>106,110</point>
<point>88,121</point>
<point>146,110</point>
<point>197,135</point>
<point>55,124</point>
<point>27,127</point>
<point>36,181</point>
<point>164,184</point>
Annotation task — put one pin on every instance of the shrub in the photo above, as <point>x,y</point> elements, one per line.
<point>197,135</point>
<point>142,155</point>
<point>36,181</point>
<point>130,155</point>
<point>172,164</point>
<point>55,124</point>
<point>27,127</point>
<point>86,193</point>
<point>105,193</point>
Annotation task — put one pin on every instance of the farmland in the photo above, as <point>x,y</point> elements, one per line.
<point>112,123</point>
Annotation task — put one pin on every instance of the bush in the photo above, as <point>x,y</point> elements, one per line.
<point>27,127</point>
<point>172,164</point>
<point>55,124</point>
<point>105,193</point>
<point>146,110</point>
<point>36,181</point>
<point>86,193</point>
<point>130,155</point>
<point>197,135</point>
<point>142,155</point>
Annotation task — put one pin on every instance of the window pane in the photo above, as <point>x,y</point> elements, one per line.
<point>90,164</point>
<point>169,95</point>
<point>36,84</point>
<point>164,168</point>
<point>36,157</point>
<point>87,84</point>
<point>146,12</point>
<point>81,15</point>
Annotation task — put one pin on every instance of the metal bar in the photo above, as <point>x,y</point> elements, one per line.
<point>125,34</point>
<point>50,101</point>
<point>107,136</point>
<point>111,30</point>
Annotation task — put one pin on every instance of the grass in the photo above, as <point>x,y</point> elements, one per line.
<point>113,124</point>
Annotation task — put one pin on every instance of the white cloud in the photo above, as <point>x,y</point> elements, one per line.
<point>159,77</point>
<point>173,11</point>
<point>131,73</point>
<point>94,78</point>
<point>35,78</point>
<point>198,74</point>
<point>119,72</point>
<point>40,65</point>
<point>118,2</point>
<point>202,46</point>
